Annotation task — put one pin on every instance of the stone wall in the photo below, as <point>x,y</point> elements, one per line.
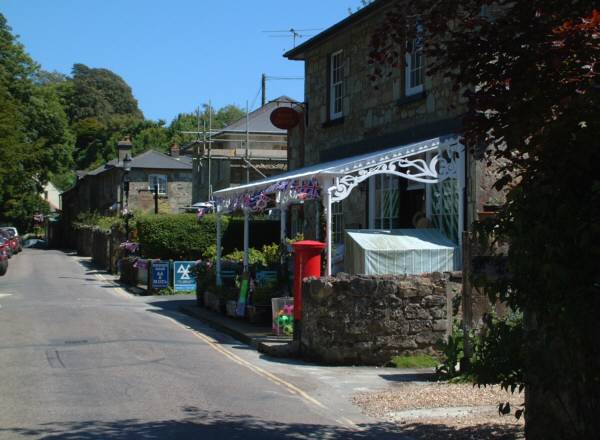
<point>359,319</point>
<point>178,196</point>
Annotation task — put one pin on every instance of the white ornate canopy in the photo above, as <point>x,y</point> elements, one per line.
<point>339,177</point>
<point>430,161</point>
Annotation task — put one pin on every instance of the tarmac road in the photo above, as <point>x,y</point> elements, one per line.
<point>81,359</point>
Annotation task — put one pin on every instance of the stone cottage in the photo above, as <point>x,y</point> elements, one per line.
<point>110,188</point>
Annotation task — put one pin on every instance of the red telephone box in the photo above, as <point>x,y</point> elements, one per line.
<point>307,263</point>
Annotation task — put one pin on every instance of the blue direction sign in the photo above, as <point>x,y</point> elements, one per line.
<point>185,281</point>
<point>160,274</point>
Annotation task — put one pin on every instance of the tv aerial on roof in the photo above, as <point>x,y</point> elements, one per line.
<point>294,34</point>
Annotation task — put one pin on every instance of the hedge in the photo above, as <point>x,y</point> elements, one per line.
<point>177,236</point>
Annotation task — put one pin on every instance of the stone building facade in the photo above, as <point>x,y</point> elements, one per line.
<point>369,116</point>
<point>103,190</point>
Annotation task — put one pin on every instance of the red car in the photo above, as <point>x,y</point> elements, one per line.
<point>12,240</point>
<point>4,249</point>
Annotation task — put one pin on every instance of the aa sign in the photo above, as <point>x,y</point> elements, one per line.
<point>183,274</point>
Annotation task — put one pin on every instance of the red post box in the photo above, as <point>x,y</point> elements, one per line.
<point>307,263</point>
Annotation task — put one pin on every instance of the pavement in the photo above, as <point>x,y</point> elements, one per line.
<point>81,358</point>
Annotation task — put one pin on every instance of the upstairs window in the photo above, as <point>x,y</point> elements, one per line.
<point>415,65</point>
<point>336,85</point>
<point>160,180</point>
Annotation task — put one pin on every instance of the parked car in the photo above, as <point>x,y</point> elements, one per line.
<point>16,233</point>
<point>13,242</point>
<point>4,249</point>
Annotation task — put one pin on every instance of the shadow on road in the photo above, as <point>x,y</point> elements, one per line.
<point>198,424</point>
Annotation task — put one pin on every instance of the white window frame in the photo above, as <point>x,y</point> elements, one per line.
<point>384,192</point>
<point>412,83</point>
<point>336,85</point>
<point>152,180</point>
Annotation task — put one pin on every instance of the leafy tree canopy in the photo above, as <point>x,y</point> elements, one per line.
<point>530,71</point>
<point>100,93</point>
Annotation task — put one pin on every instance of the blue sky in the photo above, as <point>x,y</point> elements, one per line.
<point>175,54</point>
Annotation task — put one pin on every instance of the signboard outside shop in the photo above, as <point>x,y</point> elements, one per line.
<point>185,281</point>
<point>160,274</point>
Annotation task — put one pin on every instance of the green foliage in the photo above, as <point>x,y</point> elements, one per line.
<point>177,236</point>
<point>95,220</point>
<point>415,361</point>
<point>453,352</point>
<point>34,136</point>
<point>498,356</point>
<point>271,254</point>
<point>535,113</point>
<point>198,121</point>
<point>254,257</point>
<point>99,93</point>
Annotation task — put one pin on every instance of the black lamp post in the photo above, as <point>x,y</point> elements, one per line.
<point>125,190</point>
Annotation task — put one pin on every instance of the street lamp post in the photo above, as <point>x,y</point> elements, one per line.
<point>125,190</point>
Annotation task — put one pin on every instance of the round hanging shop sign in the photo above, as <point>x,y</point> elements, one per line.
<point>285,118</point>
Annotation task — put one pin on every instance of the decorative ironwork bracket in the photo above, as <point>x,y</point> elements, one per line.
<point>441,166</point>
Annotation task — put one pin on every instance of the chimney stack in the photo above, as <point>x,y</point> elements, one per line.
<point>124,148</point>
<point>174,150</point>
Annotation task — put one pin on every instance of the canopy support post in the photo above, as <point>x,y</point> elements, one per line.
<point>246,238</point>
<point>327,206</point>
<point>282,236</point>
<point>218,262</point>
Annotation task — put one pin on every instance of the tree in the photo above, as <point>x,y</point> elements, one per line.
<point>530,73</point>
<point>34,136</point>
<point>100,93</point>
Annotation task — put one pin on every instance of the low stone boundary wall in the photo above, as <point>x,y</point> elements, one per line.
<point>84,242</point>
<point>366,320</point>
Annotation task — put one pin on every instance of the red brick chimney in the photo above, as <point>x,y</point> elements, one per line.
<point>174,150</point>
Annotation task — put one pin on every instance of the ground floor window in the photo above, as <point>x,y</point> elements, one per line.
<point>444,208</point>
<point>337,218</point>
<point>387,201</point>
<point>160,180</point>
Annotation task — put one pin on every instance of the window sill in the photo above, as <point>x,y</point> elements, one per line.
<point>333,122</point>
<point>411,98</point>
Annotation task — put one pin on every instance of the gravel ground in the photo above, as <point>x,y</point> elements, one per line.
<point>445,411</point>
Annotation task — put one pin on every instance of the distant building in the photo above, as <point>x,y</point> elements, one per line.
<point>229,165</point>
<point>51,194</point>
<point>103,190</point>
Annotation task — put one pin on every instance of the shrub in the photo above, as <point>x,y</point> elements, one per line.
<point>177,236</point>
<point>95,220</point>
<point>254,257</point>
